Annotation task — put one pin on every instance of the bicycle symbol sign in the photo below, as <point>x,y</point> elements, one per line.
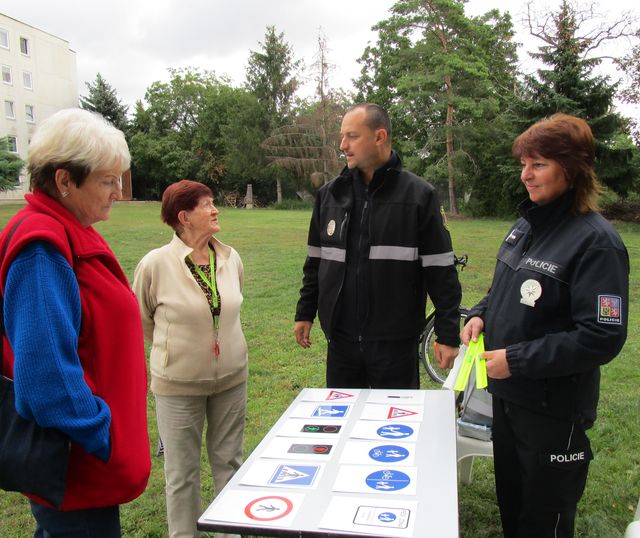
<point>388,480</point>
<point>388,453</point>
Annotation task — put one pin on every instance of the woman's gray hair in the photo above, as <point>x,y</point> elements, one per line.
<point>78,141</point>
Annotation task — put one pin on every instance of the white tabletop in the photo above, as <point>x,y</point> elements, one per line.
<point>349,462</point>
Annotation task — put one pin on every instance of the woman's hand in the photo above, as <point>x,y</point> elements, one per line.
<point>497,365</point>
<point>471,330</point>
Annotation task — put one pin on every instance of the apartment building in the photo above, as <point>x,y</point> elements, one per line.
<point>39,77</point>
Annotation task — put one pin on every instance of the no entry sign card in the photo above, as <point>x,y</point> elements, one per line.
<point>386,480</point>
<point>386,430</point>
<point>254,507</point>
<point>379,452</point>
<point>370,516</point>
<point>331,395</point>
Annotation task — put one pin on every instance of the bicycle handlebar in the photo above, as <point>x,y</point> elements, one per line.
<point>461,261</point>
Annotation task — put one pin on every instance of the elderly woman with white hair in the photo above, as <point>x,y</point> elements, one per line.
<point>73,338</point>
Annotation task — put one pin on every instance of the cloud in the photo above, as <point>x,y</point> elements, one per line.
<point>133,42</point>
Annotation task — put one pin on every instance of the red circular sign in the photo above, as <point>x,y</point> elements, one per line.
<point>272,507</point>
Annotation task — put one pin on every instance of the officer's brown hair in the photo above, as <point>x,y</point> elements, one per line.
<point>568,140</point>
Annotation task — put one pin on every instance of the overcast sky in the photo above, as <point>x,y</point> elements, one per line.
<point>133,42</point>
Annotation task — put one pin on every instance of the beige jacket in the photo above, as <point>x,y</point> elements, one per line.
<point>177,321</point>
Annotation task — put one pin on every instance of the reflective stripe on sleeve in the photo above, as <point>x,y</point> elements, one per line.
<point>313,252</point>
<point>388,252</point>
<point>437,260</point>
<point>328,253</point>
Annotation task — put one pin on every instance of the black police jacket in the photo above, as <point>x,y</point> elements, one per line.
<point>558,304</point>
<point>410,256</point>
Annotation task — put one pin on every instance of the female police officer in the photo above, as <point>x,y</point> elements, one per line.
<point>556,311</point>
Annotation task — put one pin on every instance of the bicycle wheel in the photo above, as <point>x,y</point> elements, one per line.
<point>427,352</point>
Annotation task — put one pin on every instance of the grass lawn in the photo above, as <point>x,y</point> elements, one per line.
<point>272,245</point>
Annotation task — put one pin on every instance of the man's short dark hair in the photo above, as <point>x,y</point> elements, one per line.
<point>377,117</point>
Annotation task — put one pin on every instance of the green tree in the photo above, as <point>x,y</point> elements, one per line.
<point>569,84</point>
<point>233,124</point>
<point>309,146</point>
<point>630,91</point>
<point>443,77</point>
<point>163,143</point>
<point>10,166</point>
<point>103,99</point>
<point>271,77</point>
<point>198,126</point>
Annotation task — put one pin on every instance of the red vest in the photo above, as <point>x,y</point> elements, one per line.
<point>111,350</point>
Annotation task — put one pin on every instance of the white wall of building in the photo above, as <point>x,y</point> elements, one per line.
<point>50,66</point>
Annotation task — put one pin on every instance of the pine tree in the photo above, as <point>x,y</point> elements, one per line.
<point>103,99</point>
<point>10,166</point>
<point>271,77</point>
<point>568,84</point>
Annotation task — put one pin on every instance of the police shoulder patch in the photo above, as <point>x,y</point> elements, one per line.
<point>610,309</point>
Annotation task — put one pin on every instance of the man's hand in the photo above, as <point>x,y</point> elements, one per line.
<point>445,355</point>
<point>471,330</point>
<point>301,330</point>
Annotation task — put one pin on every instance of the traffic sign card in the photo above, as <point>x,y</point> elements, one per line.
<point>370,516</point>
<point>378,452</point>
<point>410,413</point>
<point>318,410</point>
<point>318,448</point>
<point>311,428</point>
<point>331,395</point>
<point>282,474</point>
<point>397,397</point>
<point>388,479</point>
<point>387,430</point>
<point>254,507</point>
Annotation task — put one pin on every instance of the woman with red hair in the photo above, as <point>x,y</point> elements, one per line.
<point>557,310</point>
<point>190,293</point>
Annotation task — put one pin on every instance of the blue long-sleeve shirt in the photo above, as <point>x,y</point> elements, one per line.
<point>42,316</point>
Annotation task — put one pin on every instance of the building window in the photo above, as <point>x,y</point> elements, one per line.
<point>6,74</point>
<point>30,113</point>
<point>27,80</point>
<point>12,142</point>
<point>4,38</point>
<point>9,110</point>
<point>24,46</point>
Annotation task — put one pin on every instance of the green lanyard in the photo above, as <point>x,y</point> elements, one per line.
<point>211,284</point>
<point>472,358</point>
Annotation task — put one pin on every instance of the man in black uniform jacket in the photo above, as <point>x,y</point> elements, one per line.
<point>378,245</point>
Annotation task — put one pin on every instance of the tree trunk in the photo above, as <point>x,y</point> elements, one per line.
<point>453,205</point>
<point>278,191</point>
